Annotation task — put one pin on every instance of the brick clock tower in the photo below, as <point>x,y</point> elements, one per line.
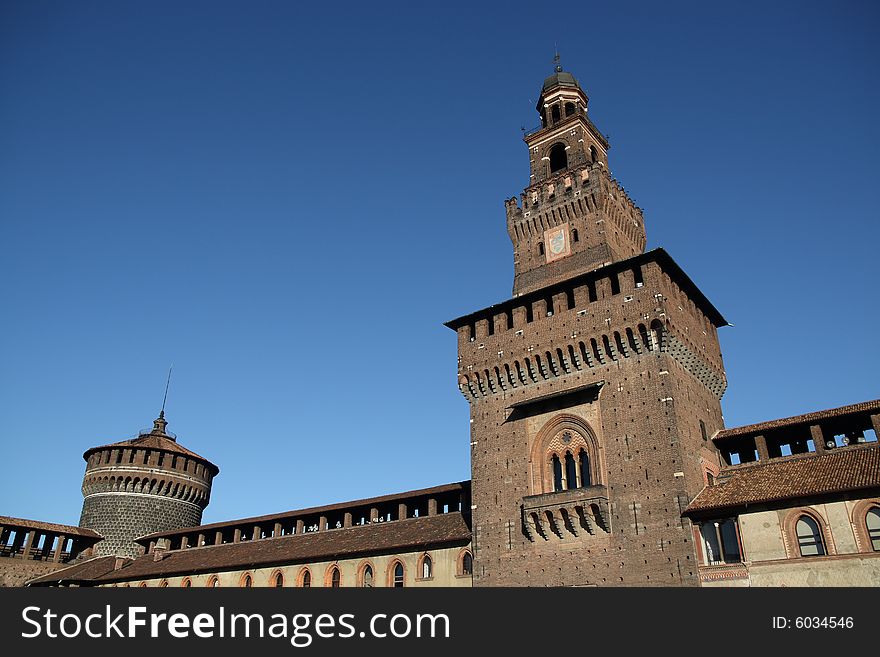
<point>594,391</point>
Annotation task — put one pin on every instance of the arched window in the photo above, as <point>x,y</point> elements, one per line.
<point>555,113</point>
<point>278,580</point>
<point>584,462</point>
<point>305,578</point>
<point>809,537</point>
<point>569,109</point>
<point>397,575</point>
<point>368,577</point>
<point>540,248</point>
<point>872,522</point>
<point>574,235</point>
<point>594,155</point>
<point>558,158</point>
<point>213,582</point>
<point>163,584</point>
<point>467,564</point>
<point>247,582</point>
<point>568,459</point>
<point>557,473</point>
<point>427,568</point>
<point>187,583</point>
<point>570,471</point>
<point>142,585</point>
<point>335,578</point>
<point>703,430</point>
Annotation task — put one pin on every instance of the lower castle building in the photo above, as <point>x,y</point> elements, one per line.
<point>599,454</point>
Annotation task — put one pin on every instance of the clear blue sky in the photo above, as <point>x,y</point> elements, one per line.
<point>287,200</point>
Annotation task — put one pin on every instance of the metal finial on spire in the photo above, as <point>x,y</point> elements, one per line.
<point>165,398</point>
<point>556,65</point>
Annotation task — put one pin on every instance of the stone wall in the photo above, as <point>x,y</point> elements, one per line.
<point>122,517</point>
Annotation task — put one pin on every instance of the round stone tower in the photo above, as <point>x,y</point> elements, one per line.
<point>140,486</point>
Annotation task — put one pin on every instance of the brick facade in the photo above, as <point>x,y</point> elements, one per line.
<point>615,344</point>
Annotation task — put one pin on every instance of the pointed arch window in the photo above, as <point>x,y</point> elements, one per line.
<point>335,578</point>
<point>555,113</point>
<point>584,463</point>
<point>368,577</point>
<point>872,522</point>
<point>571,478</point>
<point>306,579</point>
<point>467,564</point>
<point>809,537</point>
<point>427,567</point>
<point>278,581</point>
<point>398,575</point>
<point>557,473</point>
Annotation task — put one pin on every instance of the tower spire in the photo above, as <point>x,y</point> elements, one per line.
<point>159,423</point>
<point>165,398</point>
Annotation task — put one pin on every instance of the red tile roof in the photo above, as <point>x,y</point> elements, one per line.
<point>462,486</point>
<point>153,441</point>
<point>378,538</point>
<point>805,475</point>
<point>67,530</point>
<point>863,407</point>
<point>84,571</point>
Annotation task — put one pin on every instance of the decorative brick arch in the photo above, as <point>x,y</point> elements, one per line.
<point>389,576</point>
<point>273,577</point>
<point>304,577</point>
<point>213,582</point>
<point>551,440</point>
<point>459,563</point>
<point>246,580</point>
<point>328,575</point>
<point>420,571</point>
<point>789,531</point>
<point>859,523</point>
<point>362,569</point>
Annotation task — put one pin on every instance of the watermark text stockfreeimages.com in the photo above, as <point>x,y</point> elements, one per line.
<point>300,629</point>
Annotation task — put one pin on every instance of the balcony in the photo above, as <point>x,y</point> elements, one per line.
<point>578,512</point>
